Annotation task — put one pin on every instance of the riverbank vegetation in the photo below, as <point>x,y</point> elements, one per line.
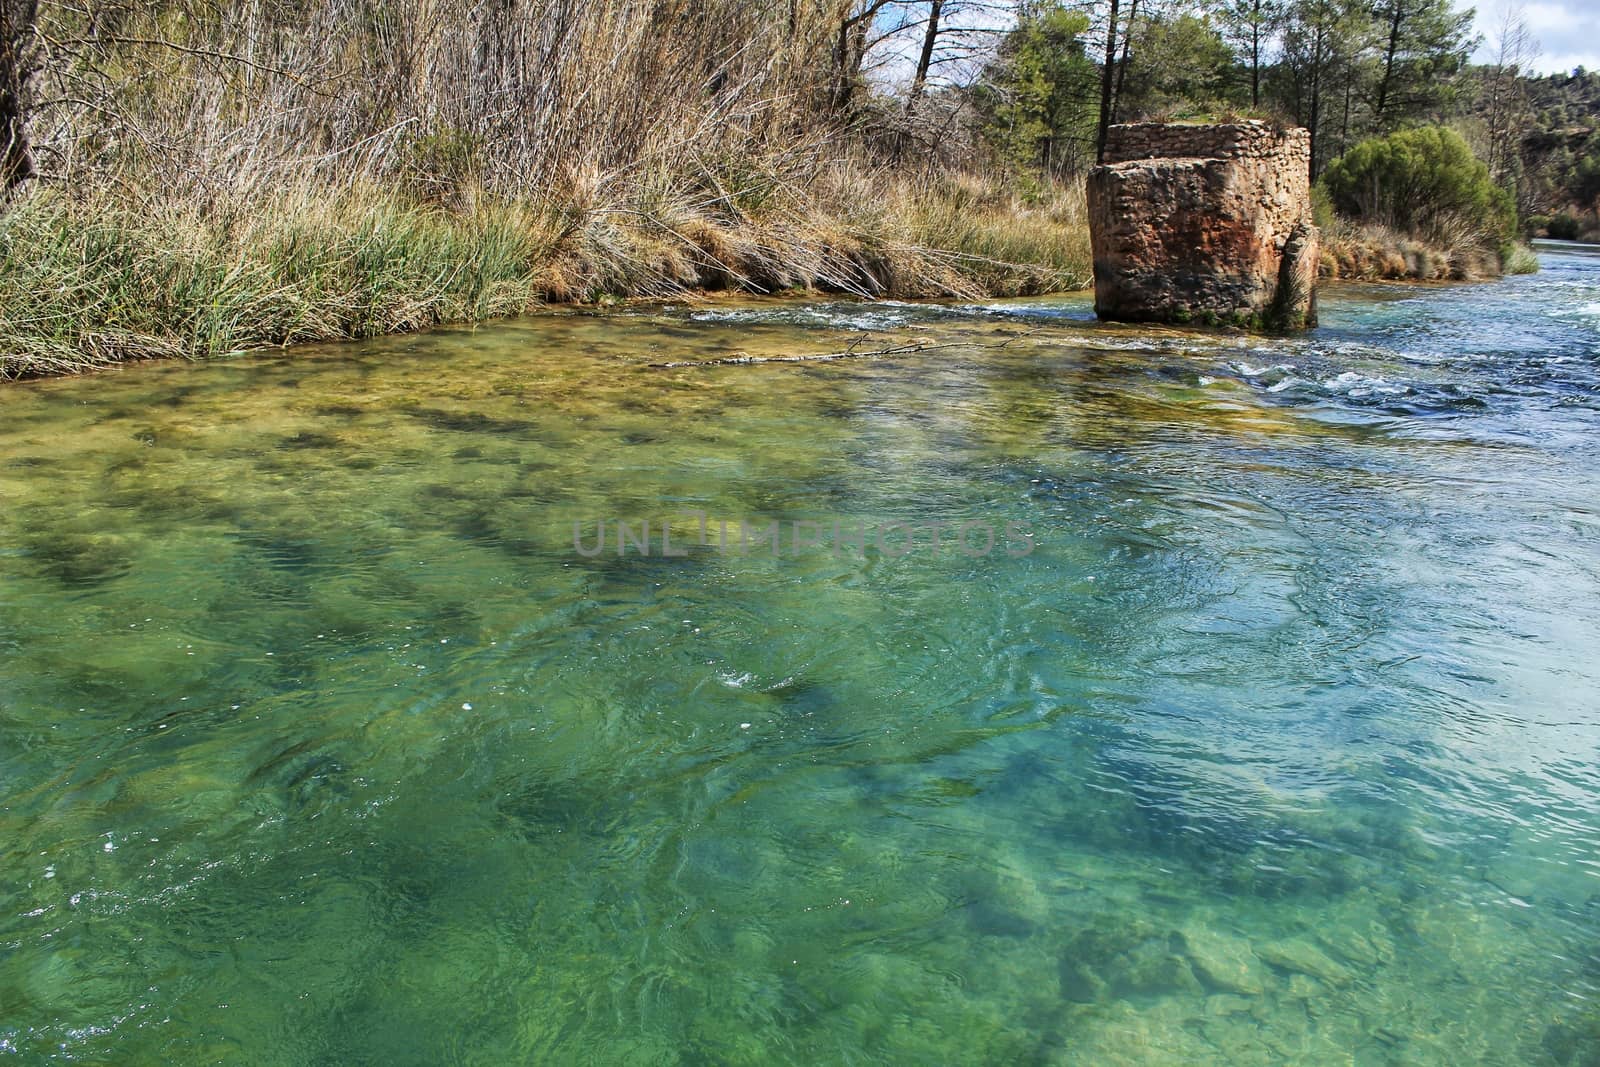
<point>1557,162</point>
<point>1417,204</point>
<point>85,283</point>
<point>193,177</point>
<point>190,177</point>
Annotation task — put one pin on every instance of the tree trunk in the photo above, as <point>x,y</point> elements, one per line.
<point>1122,63</point>
<point>1349,93</point>
<point>930,40</point>
<point>1108,73</point>
<point>1255,55</point>
<point>1317,61</point>
<point>843,83</point>
<point>17,67</point>
<point>1396,17</point>
<point>850,50</point>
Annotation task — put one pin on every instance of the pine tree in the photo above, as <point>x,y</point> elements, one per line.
<point>1425,44</point>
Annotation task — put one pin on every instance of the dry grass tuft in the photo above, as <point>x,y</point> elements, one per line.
<point>1373,253</point>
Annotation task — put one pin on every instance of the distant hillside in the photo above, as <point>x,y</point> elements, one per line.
<point>1561,148</point>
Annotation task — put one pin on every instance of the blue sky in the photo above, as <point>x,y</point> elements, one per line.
<point>1568,31</point>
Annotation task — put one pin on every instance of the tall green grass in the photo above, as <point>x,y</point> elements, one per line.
<point>87,283</point>
<point>1003,244</point>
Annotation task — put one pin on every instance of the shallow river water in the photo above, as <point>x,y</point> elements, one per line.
<point>323,740</point>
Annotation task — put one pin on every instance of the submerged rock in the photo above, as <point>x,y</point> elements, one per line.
<point>1208,224</point>
<point>1302,957</point>
<point>1124,962</point>
<point>1224,962</point>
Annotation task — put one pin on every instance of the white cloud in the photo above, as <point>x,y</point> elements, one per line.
<point>1567,31</point>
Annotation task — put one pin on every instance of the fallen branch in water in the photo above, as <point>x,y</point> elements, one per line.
<point>850,353</point>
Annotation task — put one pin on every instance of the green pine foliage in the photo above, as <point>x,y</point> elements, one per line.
<point>1037,96</point>
<point>1424,180</point>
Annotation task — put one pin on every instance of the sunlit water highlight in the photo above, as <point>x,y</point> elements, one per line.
<point>319,743</point>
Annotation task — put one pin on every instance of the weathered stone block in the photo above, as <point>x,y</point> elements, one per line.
<point>1204,224</point>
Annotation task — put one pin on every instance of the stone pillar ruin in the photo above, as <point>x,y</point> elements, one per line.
<point>1205,224</point>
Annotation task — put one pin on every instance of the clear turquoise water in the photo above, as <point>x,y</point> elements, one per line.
<point>319,744</point>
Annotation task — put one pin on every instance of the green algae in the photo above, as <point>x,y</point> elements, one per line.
<point>320,743</point>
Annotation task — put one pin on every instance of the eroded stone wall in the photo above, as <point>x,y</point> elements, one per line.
<point>1206,224</point>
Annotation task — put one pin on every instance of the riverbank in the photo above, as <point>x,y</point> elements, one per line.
<point>86,284</point>
<point>89,283</point>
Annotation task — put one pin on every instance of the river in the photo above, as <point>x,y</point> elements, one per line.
<point>1265,730</point>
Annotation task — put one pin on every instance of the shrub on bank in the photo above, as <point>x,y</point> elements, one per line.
<point>1417,205</point>
<point>1517,258</point>
<point>1564,227</point>
<point>1422,181</point>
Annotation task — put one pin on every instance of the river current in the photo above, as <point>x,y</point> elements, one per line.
<point>336,728</point>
